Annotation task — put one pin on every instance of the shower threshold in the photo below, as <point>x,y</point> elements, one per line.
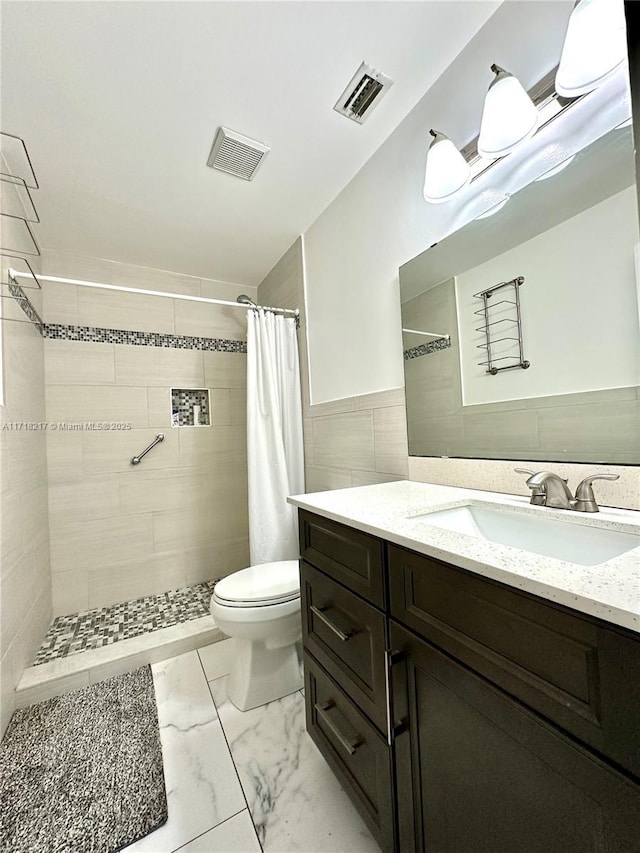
<point>87,647</point>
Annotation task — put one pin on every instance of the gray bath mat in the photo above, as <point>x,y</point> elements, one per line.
<point>83,772</point>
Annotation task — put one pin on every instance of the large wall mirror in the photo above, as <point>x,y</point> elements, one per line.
<point>569,244</point>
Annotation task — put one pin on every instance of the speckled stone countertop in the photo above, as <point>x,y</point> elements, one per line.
<point>609,590</point>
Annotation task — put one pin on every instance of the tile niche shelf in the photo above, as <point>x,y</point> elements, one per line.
<point>190,407</point>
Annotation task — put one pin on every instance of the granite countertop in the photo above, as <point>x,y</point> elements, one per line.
<point>609,590</point>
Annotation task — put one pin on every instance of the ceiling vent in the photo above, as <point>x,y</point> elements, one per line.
<point>364,92</point>
<point>236,154</point>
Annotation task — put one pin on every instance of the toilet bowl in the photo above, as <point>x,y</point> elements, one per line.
<point>259,608</point>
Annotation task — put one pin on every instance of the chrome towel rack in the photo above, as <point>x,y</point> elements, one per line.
<point>512,331</point>
<point>17,213</point>
<point>135,460</point>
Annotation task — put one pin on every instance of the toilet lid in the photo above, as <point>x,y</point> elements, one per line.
<point>268,583</point>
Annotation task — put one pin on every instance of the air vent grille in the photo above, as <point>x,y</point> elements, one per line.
<point>364,92</point>
<point>236,154</point>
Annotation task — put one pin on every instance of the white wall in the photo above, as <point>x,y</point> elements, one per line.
<point>380,220</point>
<point>575,304</point>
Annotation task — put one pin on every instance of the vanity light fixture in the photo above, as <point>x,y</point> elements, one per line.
<point>595,46</point>
<point>508,118</point>
<point>593,55</point>
<point>446,171</point>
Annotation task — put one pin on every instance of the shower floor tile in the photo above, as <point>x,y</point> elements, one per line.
<point>93,629</point>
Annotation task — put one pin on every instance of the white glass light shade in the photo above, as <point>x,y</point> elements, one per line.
<point>509,116</point>
<point>446,171</point>
<point>594,47</point>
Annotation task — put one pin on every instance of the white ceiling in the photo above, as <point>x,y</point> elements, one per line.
<point>119,103</point>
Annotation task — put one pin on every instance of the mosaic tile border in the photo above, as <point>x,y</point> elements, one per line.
<point>99,335</point>
<point>25,303</point>
<point>427,349</point>
<point>95,334</point>
<point>93,629</point>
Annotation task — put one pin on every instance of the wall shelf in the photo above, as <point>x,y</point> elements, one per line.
<point>509,328</point>
<point>190,407</point>
<point>17,213</point>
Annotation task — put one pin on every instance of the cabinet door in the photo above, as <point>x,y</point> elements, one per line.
<point>477,772</point>
<point>577,672</point>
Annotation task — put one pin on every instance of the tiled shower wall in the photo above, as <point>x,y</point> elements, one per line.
<point>119,531</point>
<point>363,440</point>
<point>25,600</point>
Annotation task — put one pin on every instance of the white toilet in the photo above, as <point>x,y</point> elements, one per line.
<point>259,608</point>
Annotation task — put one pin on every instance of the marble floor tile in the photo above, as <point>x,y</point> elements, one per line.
<point>295,801</point>
<point>202,785</point>
<point>181,692</point>
<point>236,835</point>
<point>216,659</point>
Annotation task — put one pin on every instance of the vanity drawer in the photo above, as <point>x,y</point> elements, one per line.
<point>573,669</point>
<point>347,636</point>
<point>357,754</point>
<point>353,558</point>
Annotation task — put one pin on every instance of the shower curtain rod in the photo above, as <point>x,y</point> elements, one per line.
<point>417,332</point>
<point>99,286</point>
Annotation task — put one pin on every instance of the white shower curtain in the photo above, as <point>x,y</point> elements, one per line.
<point>274,436</point>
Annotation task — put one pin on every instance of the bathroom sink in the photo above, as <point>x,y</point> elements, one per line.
<point>567,540</point>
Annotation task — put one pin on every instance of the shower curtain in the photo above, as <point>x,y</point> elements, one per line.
<point>274,436</point>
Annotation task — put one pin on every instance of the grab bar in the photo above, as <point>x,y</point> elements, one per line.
<point>135,460</point>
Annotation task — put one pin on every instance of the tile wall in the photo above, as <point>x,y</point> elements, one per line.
<point>118,531</point>
<point>25,580</point>
<point>343,437</point>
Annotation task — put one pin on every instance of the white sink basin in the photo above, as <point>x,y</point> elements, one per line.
<point>567,540</point>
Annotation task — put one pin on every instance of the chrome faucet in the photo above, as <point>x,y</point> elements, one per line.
<point>556,491</point>
<point>585,499</point>
<point>548,489</point>
<point>538,496</point>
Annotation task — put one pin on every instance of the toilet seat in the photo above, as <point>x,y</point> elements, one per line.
<point>260,586</point>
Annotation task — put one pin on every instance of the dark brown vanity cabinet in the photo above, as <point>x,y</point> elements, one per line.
<point>462,715</point>
<point>479,773</point>
<point>344,629</point>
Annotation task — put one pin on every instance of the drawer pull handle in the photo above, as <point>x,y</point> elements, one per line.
<point>391,656</point>
<point>320,614</point>
<point>349,745</point>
